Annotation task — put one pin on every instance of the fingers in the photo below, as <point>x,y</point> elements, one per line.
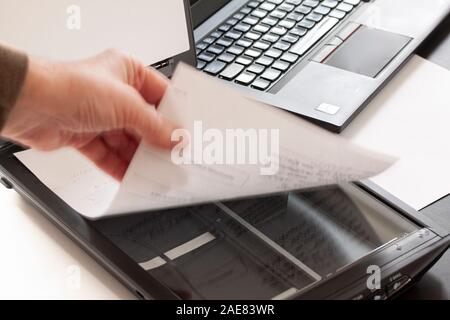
<point>105,158</point>
<point>137,110</point>
<point>151,84</point>
<point>122,144</point>
<point>151,126</point>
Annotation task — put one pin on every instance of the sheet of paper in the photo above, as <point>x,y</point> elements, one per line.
<point>73,178</point>
<point>72,30</point>
<point>308,156</point>
<point>305,156</point>
<point>410,120</point>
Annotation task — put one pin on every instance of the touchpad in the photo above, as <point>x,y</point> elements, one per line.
<point>367,51</point>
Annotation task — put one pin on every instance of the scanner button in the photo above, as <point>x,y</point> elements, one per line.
<point>397,285</point>
<point>6,183</point>
<point>380,295</point>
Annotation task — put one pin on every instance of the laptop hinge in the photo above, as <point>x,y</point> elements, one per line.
<point>165,66</point>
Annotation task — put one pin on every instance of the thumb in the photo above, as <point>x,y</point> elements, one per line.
<point>151,126</point>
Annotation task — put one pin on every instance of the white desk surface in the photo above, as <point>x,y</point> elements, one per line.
<point>40,262</point>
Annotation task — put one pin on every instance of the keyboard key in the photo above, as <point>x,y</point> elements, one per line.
<point>278,14</point>
<point>259,13</point>
<point>253,4</point>
<point>209,40</point>
<point>237,50</point>
<point>267,6</point>
<point>276,1</point>
<point>256,68</point>
<point>244,61</point>
<point>226,57</point>
<point>233,34</point>
<point>215,67</point>
<point>289,57</point>
<point>280,31</point>
<point>252,35</point>
<point>232,21</point>
<point>271,37</point>
<point>271,74</point>
<point>202,46</point>
<point>224,27</point>
<point>244,43</point>
<point>303,10</point>
<point>286,7</point>
<point>307,24</point>
<point>246,10</point>
<point>330,3</point>
<point>269,21</point>
<point>290,38</point>
<point>260,84</point>
<point>311,3</point>
<point>201,64</point>
<point>345,7</point>
<point>239,16</point>
<point>261,28</point>
<point>337,14</point>
<point>273,53</point>
<point>253,53</point>
<point>286,23</point>
<point>265,61</point>
<point>322,10</point>
<point>262,45</point>
<point>216,49</point>
<point>352,2</point>
<point>313,16</point>
<point>232,71</point>
<point>216,34</point>
<point>245,78</point>
<point>281,65</point>
<point>294,2</point>
<point>297,17</point>
<point>206,56</point>
<point>281,45</point>
<point>298,31</point>
<point>225,42</point>
<point>251,20</point>
<point>243,27</point>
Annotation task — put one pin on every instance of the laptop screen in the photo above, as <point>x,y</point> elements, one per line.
<point>203,9</point>
<point>65,30</point>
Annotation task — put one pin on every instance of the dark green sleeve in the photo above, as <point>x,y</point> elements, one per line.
<point>13,70</point>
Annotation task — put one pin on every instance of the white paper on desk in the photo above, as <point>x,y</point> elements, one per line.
<point>309,156</point>
<point>410,120</point>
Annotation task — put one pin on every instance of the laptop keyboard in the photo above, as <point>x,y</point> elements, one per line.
<point>263,40</point>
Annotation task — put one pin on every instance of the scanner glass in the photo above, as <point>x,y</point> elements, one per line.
<point>264,248</point>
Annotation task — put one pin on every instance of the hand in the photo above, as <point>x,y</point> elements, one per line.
<point>102,106</point>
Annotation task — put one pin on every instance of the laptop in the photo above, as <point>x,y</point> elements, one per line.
<point>68,30</point>
<point>320,59</point>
